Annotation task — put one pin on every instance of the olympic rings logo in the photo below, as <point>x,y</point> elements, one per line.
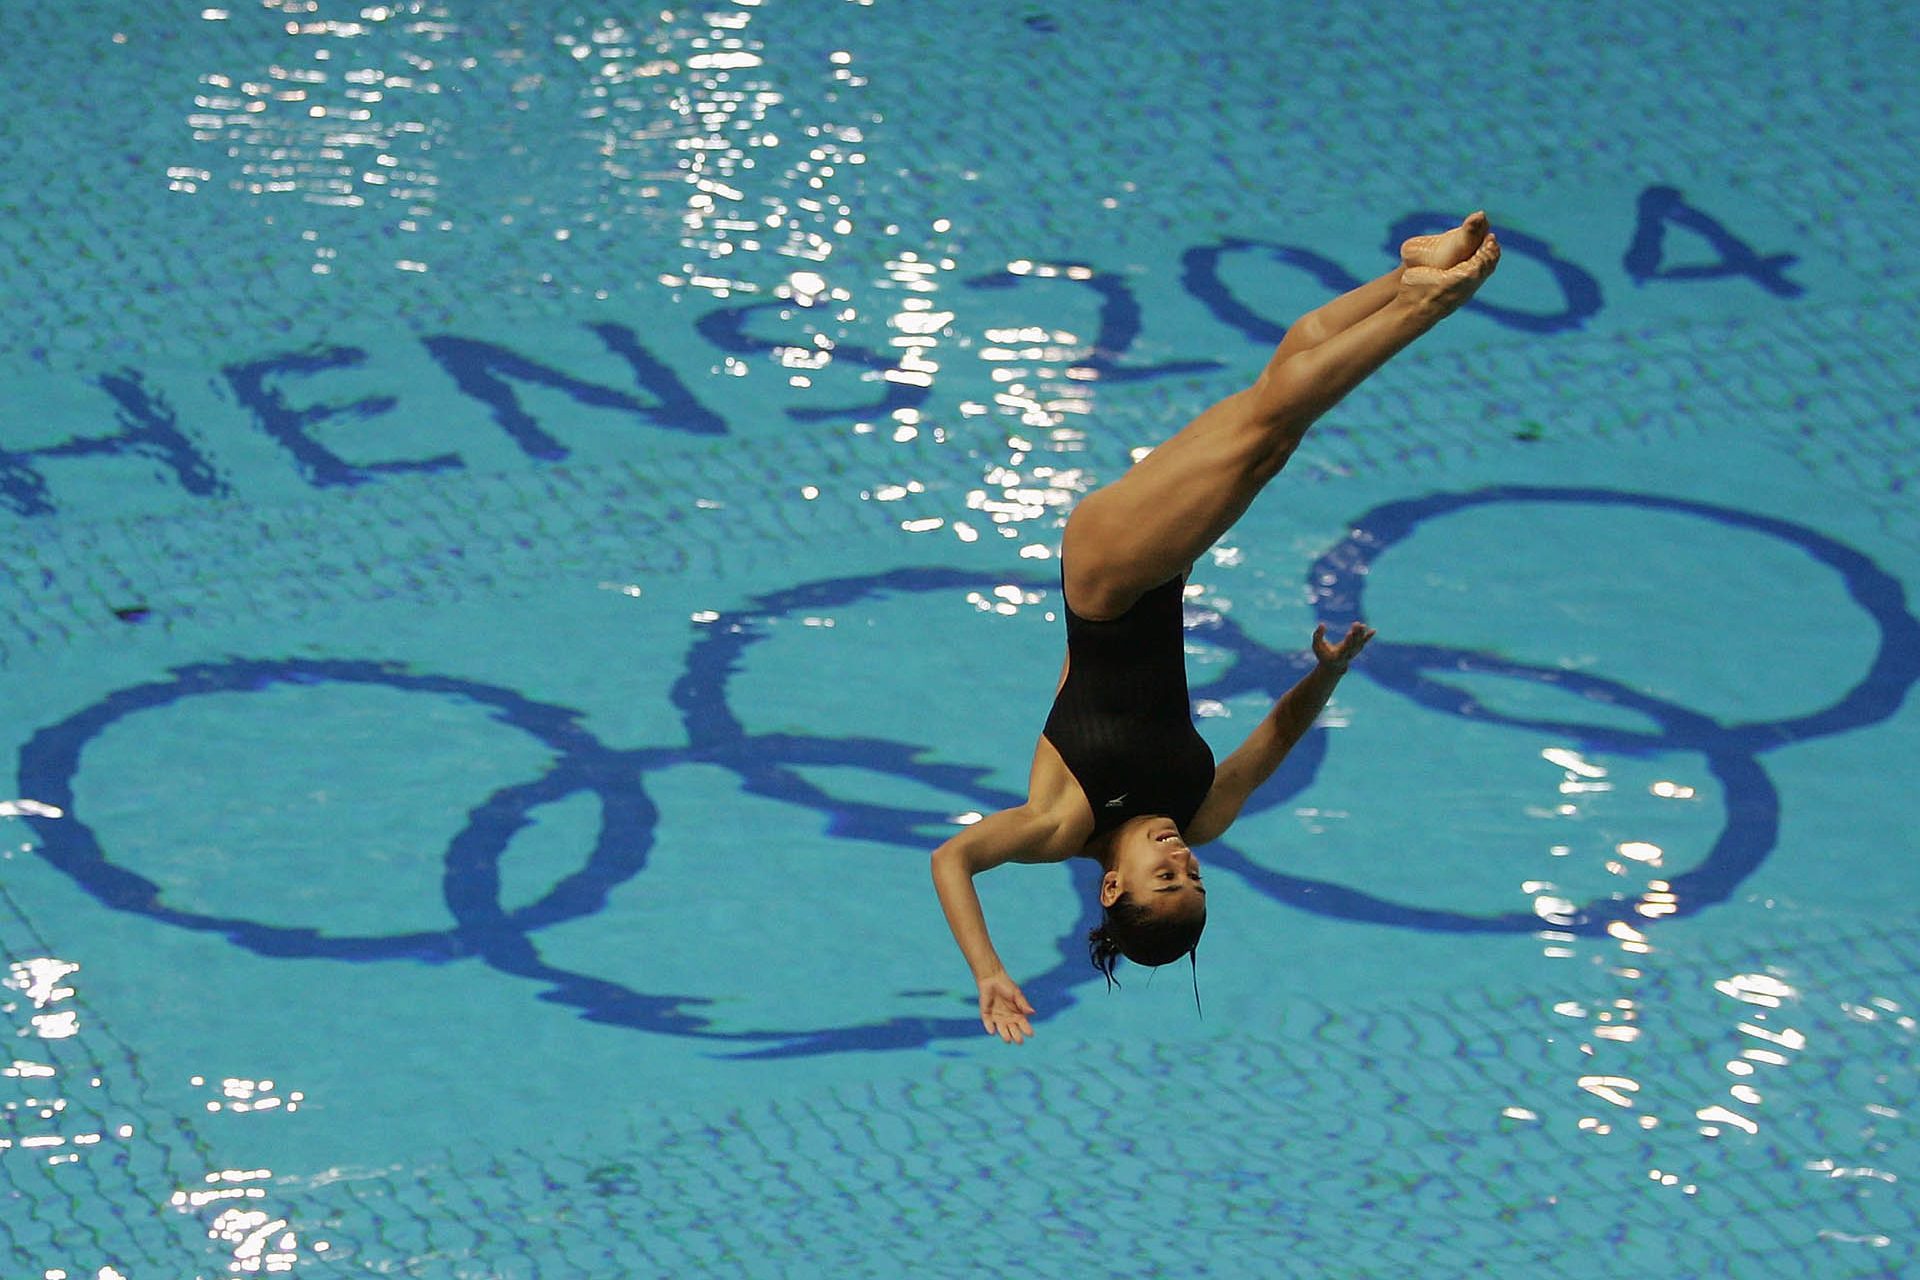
<point>775,765</point>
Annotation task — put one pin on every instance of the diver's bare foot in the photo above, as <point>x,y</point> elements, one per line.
<point>1447,249</point>
<point>1442,291</point>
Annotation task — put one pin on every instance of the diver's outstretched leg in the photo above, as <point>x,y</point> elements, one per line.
<point>1154,521</point>
<point>1446,249</point>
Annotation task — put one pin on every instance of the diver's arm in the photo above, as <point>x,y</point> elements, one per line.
<point>1018,834</point>
<point>1254,760</point>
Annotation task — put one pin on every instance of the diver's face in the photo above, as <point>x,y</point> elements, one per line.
<point>1153,866</point>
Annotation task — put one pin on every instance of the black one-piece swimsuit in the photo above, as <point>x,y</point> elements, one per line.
<point>1122,721</point>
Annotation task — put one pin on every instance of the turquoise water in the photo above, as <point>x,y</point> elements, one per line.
<point>524,529</point>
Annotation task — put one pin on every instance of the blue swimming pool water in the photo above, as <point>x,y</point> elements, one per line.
<point>524,528</point>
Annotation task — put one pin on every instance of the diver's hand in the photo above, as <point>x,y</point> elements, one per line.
<point>1003,1009</point>
<point>1337,656</point>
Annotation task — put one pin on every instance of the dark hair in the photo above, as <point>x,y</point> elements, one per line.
<point>1145,937</point>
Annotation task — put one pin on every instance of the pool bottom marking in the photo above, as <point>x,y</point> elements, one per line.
<point>769,765</point>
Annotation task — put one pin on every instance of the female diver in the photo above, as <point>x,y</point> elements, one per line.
<point>1119,774</point>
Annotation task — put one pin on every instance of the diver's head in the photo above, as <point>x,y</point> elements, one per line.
<point>1153,896</point>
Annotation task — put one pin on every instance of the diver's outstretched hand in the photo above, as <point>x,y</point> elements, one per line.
<point>1003,1009</point>
<point>1337,656</point>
